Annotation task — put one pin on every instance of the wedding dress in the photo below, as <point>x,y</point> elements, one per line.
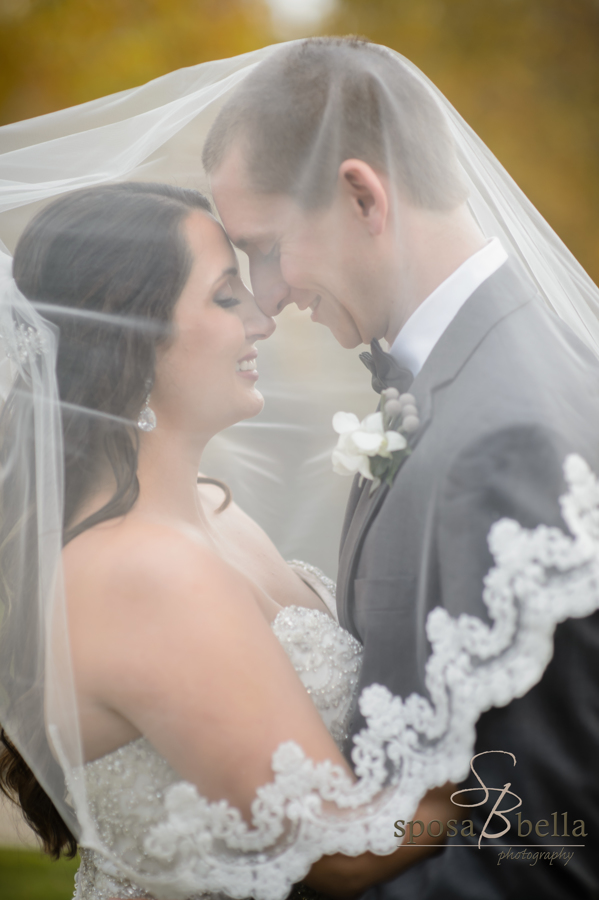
<point>129,789</point>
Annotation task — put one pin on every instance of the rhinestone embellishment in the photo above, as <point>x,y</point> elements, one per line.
<point>28,340</point>
<point>147,417</point>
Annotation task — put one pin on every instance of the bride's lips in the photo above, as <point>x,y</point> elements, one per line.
<point>314,307</point>
<point>246,367</point>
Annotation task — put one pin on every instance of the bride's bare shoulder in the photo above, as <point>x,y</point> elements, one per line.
<point>135,561</point>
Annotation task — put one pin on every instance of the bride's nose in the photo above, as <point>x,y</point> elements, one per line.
<point>258,326</point>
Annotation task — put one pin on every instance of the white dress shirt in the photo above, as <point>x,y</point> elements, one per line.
<point>412,346</point>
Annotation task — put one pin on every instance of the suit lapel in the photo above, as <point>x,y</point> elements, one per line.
<point>352,502</point>
<point>365,510</point>
<point>499,296</point>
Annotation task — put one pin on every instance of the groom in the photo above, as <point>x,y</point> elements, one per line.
<point>332,168</point>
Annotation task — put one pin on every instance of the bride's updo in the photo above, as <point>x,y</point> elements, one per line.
<point>106,265</point>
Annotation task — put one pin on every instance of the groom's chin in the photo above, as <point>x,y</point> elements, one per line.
<point>347,342</point>
<point>348,338</point>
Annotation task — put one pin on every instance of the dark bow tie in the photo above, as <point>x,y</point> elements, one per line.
<point>386,372</point>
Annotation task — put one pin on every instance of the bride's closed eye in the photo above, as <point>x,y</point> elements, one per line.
<point>224,297</point>
<point>227,302</point>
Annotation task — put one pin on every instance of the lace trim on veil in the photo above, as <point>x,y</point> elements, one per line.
<point>541,577</point>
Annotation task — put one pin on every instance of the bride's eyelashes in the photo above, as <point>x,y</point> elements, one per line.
<point>224,296</point>
<point>227,302</point>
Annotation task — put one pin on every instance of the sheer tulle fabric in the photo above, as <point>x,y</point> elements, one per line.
<point>279,469</point>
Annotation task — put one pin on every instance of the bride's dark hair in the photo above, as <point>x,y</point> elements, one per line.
<point>119,252</point>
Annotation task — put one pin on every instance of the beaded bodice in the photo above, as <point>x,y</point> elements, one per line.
<point>127,788</point>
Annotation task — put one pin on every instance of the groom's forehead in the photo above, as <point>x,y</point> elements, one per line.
<point>251,223</point>
<point>250,216</point>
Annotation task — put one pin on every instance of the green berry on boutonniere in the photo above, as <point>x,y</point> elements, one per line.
<point>377,446</point>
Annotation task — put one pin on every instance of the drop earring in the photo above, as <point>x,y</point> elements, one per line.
<point>147,417</point>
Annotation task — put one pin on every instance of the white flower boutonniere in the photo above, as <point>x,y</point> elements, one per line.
<point>377,446</point>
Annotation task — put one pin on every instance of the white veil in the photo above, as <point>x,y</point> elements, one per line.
<point>278,467</point>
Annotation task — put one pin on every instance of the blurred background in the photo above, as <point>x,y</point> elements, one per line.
<point>523,73</point>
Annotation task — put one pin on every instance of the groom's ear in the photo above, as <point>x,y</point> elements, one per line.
<point>366,192</point>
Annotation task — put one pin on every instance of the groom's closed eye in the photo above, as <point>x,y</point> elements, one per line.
<point>272,254</point>
<point>267,252</point>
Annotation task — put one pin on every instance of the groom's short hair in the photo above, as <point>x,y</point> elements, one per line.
<point>317,102</point>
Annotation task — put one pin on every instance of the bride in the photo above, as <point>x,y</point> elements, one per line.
<point>175,598</point>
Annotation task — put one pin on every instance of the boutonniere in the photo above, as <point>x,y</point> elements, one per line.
<point>376,446</point>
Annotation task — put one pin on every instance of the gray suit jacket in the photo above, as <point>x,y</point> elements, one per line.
<point>505,395</point>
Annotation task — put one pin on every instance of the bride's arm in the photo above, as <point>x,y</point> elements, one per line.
<point>172,640</point>
<point>347,877</point>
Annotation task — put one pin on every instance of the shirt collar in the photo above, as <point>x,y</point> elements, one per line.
<point>414,343</point>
